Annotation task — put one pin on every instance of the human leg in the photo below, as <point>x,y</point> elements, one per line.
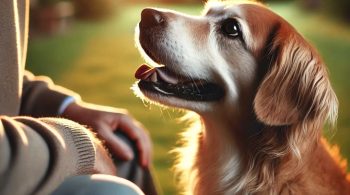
<point>97,184</point>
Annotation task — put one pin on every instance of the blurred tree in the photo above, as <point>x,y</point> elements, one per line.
<point>94,9</point>
<point>273,0</point>
<point>50,16</point>
<point>310,4</point>
<point>172,1</point>
<point>339,8</point>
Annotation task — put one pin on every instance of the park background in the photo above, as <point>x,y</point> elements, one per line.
<point>88,46</point>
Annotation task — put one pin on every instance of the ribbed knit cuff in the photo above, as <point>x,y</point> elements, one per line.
<point>81,138</point>
<point>85,148</point>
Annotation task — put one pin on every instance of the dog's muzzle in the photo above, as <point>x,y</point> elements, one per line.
<point>166,80</point>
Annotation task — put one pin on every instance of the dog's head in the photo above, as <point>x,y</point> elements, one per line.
<point>240,56</point>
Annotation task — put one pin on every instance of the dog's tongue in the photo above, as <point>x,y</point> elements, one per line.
<point>147,73</point>
<point>144,71</point>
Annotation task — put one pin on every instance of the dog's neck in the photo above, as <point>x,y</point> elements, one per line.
<point>219,159</point>
<point>225,165</point>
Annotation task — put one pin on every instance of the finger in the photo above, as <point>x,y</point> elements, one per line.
<point>137,133</point>
<point>145,158</point>
<point>149,146</point>
<point>116,146</point>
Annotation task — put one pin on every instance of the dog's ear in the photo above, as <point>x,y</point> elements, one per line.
<point>296,86</point>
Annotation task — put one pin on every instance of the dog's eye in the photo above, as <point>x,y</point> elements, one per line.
<point>231,28</point>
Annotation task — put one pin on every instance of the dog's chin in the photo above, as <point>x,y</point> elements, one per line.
<point>169,101</point>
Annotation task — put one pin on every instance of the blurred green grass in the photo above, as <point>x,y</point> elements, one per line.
<point>98,61</point>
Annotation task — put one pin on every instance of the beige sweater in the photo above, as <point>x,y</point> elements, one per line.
<point>36,155</point>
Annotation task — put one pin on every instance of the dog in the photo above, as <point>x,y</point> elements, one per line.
<point>261,95</point>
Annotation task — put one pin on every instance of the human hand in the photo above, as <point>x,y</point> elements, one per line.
<point>104,121</point>
<point>104,163</point>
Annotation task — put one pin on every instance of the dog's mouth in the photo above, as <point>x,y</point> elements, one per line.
<point>165,82</point>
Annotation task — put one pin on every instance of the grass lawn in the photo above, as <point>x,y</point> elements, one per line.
<point>98,61</point>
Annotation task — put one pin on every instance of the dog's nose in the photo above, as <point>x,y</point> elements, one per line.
<point>151,18</point>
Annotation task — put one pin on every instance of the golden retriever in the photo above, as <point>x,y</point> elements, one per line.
<point>262,95</point>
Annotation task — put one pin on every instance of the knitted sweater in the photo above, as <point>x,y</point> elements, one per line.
<point>36,154</point>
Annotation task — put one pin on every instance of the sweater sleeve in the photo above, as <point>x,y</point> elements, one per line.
<point>41,98</point>
<point>43,152</point>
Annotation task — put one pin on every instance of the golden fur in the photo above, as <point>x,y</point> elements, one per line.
<point>272,143</point>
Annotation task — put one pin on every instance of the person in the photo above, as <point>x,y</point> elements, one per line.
<point>58,153</point>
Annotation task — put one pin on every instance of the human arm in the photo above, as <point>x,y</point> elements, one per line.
<point>44,152</point>
<point>42,98</point>
<point>105,121</point>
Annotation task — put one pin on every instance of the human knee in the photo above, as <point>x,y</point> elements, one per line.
<point>97,185</point>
